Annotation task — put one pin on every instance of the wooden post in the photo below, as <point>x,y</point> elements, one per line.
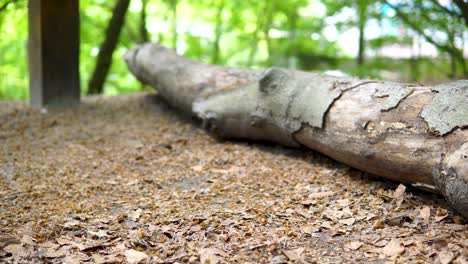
<point>53,49</point>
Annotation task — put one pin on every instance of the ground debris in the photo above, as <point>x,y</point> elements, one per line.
<point>125,180</point>
<point>393,248</point>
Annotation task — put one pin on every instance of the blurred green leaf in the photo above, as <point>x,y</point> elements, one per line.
<point>252,33</point>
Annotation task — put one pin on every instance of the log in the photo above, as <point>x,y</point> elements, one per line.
<point>410,133</point>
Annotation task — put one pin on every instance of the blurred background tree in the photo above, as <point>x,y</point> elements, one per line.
<point>422,41</point>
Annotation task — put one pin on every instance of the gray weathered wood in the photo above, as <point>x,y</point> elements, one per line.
<point>53,50</point>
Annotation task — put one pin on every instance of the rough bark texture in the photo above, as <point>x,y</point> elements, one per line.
<point>410,133</point>
<point>104,60</point>
<point>144,34</point>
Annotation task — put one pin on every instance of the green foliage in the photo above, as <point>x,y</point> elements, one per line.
<point>245,33</point>
<point>444,25</point>
<point>13,46</point>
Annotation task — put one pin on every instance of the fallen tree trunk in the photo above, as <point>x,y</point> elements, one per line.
<point>409,133</point>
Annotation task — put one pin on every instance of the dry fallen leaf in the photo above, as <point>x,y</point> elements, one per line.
<point>294,254</point>
<point>331,214</point>
<point>196,228</point>
<point>393,248</point>
<point>95,244</point>
<point>425,213</point>
<point>445,257</point>
<point>73,259</point>
<point>399,219</point>
<point>399,192</point>
<point>7,239</point>
<point>344,202</point>
<point>378,224</point>
<point>135,215</point>
<point>353,245</point>
<point>303,213</point>
<point>232,169</point>
<point>348,221</point>
<point>319,195</point>
<point>309,229</point>
<point>197,168</point>
<point>309,202</point>
<point>55,253</point>
<point>72,224</point>
<point>133,256</point>
<point>64,241</point>
<point>381,243</point>
<point>112,182</point>
<point>211,255</point>
<point>17,251</point>
<point>28,240</point>
<point>440,217</point>
<point>327,225</point>
<point>408,242</point>
<point>49,244</point>
<point>100,259</point>
<point>82,190</point>
<point>99,234</point>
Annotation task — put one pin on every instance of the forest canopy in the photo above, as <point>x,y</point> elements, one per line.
<point>420,41</point>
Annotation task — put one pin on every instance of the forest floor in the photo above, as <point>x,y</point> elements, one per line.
<point>125,179</point>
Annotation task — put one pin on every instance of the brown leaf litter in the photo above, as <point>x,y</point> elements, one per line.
<point>125,180</point>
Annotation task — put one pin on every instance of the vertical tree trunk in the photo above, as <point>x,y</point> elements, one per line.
<point>362,10</point>
<point>453,60</point>
<point>462,51</point>
<point>461,60</point>
<point>218,32</point>
<point>53,52</point>
<point>161,36</point>
<point>414,61</point>
<point>360,58</point>
<point>463,6</point>
<point>453,67</point>
<point>266,30</point>
<point>463,66</point>
<point>456,54</point>
<point>144,36</point>
<point>253,46</point>
<point>104,60</point>
<point>143,30</point>
<point>292,60</point>
<point>174,4</point>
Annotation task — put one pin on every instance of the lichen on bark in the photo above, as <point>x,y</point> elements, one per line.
<point>275,107</point>
<point>395,93</point>
<point>449,107</point>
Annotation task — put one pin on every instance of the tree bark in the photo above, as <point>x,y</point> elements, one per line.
<point>253,45</point>
<point>144,35</point>
<point>409,133</point>
<point>414,61</point>
<point>362,13</point>
<point>173,6</point>
<point>269,9</point>
<point>217,33</point>
<point>104,60</point>
<point>292,59</point>
<point>463,6</point>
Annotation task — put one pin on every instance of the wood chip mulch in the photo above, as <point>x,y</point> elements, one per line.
<point>126,180</point>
